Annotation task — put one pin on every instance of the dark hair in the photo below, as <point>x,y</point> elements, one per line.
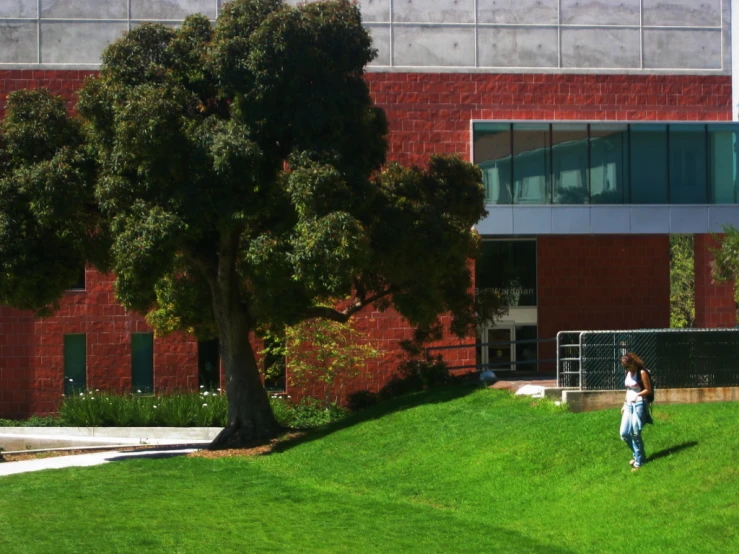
<point>632,358</point>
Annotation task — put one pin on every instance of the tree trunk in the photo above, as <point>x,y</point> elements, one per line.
<point>250,416</point>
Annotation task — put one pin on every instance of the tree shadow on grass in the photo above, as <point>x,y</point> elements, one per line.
<point>672,450</point>
<point>155,452</point>
<point>399,404</point>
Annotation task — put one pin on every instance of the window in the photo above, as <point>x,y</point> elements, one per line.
<point>493,155</point>
<point>609,169</point>
<point>608,163</point>
<point>142,362</point>
<point>688,164</point>
<point>722,141</point>
<point>531,158</point>
<point>509,268</point>
<point>570,163</point>
<point>80,284</point>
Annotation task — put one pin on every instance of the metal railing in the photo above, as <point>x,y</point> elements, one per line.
<point>512,364</point>
<point>677,358</point>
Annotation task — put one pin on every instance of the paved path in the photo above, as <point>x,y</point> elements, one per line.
<point>85,460</point>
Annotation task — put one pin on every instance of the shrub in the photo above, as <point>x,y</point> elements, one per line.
<point>182,409</point>
<point>33,421</point>
<point>102,409</point>
<point>307,413</point>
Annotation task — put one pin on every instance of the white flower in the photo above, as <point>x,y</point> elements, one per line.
<point>202,386</point>
<point>71,380</point>
<point>205,393</point>
<point>218,389</point>
<point>204,405</point>
<point>97,390</point>
<point>154,406</point>
<point>82,394</point>
<point>138,391</point>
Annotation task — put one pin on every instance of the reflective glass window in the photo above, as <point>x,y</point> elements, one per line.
<point>570,163</point>
<point>648,164</point>
<point>509,268</point>
<point>722,161</point>
<point>531,161</point>
<point>493,155</point>
<point>609,163</point>
<point>687,145</point>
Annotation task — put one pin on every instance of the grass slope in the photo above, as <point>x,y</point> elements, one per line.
<point>453,470</point>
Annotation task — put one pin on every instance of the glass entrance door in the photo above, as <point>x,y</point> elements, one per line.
<point>497,352</point>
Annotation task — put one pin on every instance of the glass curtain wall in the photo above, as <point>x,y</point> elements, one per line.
<point>608,163</point>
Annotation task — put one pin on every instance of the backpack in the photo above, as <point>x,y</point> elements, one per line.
<point>649,397</point>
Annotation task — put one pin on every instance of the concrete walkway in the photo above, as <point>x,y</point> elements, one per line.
<point>97,458</point>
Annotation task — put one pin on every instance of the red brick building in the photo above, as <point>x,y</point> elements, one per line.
<point>584,264</point>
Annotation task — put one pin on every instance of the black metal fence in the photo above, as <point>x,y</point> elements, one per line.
<point>677,358</point>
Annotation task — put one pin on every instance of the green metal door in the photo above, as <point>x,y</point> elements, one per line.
<point>75,367</point>
<point>142,361</point>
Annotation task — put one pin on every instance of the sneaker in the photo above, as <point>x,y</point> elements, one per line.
<point>632,461</point>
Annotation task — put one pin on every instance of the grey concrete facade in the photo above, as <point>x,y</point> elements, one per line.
<point>630,219</point>
<point>562,36</point>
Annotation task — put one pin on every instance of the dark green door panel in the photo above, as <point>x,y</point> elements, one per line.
<point>75,366</point>
<point>142,361</point>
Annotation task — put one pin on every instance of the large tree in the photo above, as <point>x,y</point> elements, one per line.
<point>239,171</point>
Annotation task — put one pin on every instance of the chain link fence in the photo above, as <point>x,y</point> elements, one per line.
<point>677,358</point>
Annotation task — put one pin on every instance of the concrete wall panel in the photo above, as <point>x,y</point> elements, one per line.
<point>600,12</point>
<point>517,12</point>
<point>517,47</point>
<point>683,49</point>
<point>688,13</point>
<point>81,43</point>
<point>18,8</point>
<point>381,41</point>
<point>84,9</point>
<point>171,9</point>
<point>434,46</point>
<point>434,11</point>
<point>18,42</point>
<point>604,48</point>
<point>375,10</point>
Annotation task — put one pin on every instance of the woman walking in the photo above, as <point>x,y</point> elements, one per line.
<point>635,411</point>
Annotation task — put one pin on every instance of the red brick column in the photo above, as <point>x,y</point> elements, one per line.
<point>16,351</point>
<point>595,282</point>
<point>714,303</point>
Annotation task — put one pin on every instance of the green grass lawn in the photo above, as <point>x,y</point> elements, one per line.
<point>452,470</point>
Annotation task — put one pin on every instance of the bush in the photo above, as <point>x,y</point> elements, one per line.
<point>186,409</point>
<point>307,413</point>
<point>33,421</point>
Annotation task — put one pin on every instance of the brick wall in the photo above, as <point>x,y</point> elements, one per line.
<point>431,112</point>
<point>714,302</point>
<point>428,113</point>
<point>64,83</point>
<point>16,349</point>
<point>32,350</point>
<point>601,282</point>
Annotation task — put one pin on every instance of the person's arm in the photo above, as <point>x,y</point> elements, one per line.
<point>647,382</point>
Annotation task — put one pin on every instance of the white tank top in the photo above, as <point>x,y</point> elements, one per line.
<point>632,387</point>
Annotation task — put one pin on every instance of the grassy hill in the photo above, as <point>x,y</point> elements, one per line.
<point>452,470</point>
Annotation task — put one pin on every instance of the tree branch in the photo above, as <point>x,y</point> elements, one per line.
<point>342,316</point>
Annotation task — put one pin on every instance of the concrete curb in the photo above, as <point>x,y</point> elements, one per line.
<point>25,438</point>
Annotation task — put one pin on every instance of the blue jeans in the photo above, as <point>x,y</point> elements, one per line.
<point>634,418</point>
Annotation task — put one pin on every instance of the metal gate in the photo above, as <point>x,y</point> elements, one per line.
<point>677,358</point>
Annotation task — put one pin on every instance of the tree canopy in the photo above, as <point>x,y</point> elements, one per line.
<point>234,178</point>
